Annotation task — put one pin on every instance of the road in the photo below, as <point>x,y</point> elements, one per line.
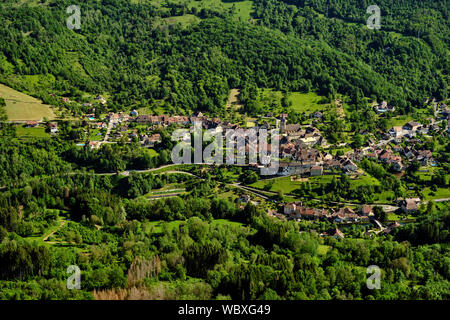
<point>108,131</point>
<point>251,190</point>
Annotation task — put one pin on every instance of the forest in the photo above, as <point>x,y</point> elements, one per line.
<point>121,50</point>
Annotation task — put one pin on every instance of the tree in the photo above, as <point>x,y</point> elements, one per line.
<point>379,213</point>
<point>248,177</point>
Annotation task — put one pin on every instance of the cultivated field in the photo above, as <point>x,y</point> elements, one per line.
<point>20,106</point>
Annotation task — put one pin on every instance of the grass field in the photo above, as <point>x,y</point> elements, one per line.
<point>307,102</point>
<point>395,217</point>
<point>20,106</point>
<point>184,20</point>
<point>180,167</point>
<point>94,135</point>
<point>155,109</point>
<point>31,132</point>
<point>385,197</point>
<point>157,226</point>
<point>343,149</point>
<point>431,171</point>
<point>39,237</point>
<point>226,222</point>
<point>398,121</point>
<point>286,185</point>
<point>364,181</point>
<point>301,102</point>
<point>441,193</point>
<point>168,188</point>
<point>243,8</point>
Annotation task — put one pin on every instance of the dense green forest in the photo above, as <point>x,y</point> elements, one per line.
<point>123,51</point>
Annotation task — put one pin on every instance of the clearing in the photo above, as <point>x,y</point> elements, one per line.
<point>233,99</point>
<point>22,107</point>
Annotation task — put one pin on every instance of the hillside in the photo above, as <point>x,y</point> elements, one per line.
<point>136,52</point>
<point>21,107</point>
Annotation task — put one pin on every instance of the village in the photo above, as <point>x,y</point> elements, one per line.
<point>303,151</point>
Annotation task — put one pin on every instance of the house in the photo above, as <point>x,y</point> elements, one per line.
<point>31,124</point>
<point>332,164</point>
<point>336,233</point>
<point>395,224</point>
<point>113,117</point>
<point>412,126</point>
<point>383,107</point>
<point>385,155</point>
<point>349,165</point>
<point>244,198</point>
<point>94,144</point>
<point>53,127</point>
<point>408,152</point>
<point>344,215</point>
<point>291,130</point>
<point>134,113</point>
<point>152,140</point>
<point>396,131</point>
<point>289,208</point>
<point>65,99</point>
<point>317,115</point>
<point>392,226</point>
<point>398,149</point>
<point>291,168</point>
<point>101,125</point>
<point>398,166</point>
<point>366,210</point>
<point>132,135</point>
<point>316,171</point>
<point>100,99</point>
<point>424,157</point>
<point>410,205</point>
<point>296,210</point>
<point>123,117</point>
